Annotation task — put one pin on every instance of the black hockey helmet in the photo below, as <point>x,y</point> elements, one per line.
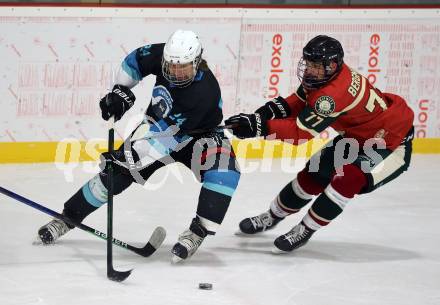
<point>323,50</point>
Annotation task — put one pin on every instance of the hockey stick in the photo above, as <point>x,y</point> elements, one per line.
<point>112,274</point>
<point>142,129</point>
<point>195,132</point>
<point>153,244</point>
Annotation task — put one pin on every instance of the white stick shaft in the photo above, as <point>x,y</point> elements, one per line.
<point>111,123</point>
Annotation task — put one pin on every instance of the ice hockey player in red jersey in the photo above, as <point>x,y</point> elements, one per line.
<point>373,146</point>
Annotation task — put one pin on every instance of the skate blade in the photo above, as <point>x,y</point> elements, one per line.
<point>242,234</point>
<point>276,250</point>
<point>38,242</point>
<point>176,259</point>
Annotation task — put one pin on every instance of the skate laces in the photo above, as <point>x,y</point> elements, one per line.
<point>57,228</point>
<point>299,232</point>
<point>263,220</point>
<point>190,240</point>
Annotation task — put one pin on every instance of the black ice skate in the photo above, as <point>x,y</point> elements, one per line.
<point>257,224</point>
<point>189,241</point>
<point>50,232</point>
<point>295,238</point>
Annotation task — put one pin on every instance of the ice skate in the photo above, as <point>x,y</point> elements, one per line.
<point>50,232</point>
<point>189,241</point>
<point>294,239</point>
<point>257,224</point>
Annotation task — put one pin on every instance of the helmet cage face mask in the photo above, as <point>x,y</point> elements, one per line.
<point>315,80</point>
<point>321,61</point>
<point>180,74</point>
<point>181,58</point>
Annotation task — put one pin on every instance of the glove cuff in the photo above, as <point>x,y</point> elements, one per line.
<point>265,112</point>
<point>277,108</point>
<point>280,107</point>
<point>125,93</point>
<point>261,125</point>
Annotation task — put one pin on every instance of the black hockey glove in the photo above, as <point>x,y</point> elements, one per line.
<point>117,102</point>
<point>123,161</point>
<point>275,109</point>
<point>247,125</point>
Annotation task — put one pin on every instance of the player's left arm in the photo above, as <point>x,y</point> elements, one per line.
<point>183,122</point>
<point>190,119</point>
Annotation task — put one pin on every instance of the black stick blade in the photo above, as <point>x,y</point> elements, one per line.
<point>118,276</point>
<point>156,240</point>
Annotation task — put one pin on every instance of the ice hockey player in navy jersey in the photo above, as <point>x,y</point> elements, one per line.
<point>186,97</point>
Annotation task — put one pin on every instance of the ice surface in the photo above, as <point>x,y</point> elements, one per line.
<point>384,248</point>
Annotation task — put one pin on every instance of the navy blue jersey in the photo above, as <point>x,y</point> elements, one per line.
<point>196,106</point>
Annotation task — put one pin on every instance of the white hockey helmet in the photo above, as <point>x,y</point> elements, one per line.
<point>182,55</point>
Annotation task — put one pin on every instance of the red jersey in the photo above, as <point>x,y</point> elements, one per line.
<point>349,104</point>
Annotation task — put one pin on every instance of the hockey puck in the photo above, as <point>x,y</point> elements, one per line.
<point>205,286</point>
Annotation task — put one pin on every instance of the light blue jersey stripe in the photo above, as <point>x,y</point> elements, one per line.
<point>225,190</point>
<point>164,145</point>
<point>130,71</point>
<point>89,196</point>
<point>131,67</point>
<point>229,178</point>
<point>161,147</point>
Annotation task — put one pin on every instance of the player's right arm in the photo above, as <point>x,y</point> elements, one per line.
<point>277,117</point>
<point>139,63</point>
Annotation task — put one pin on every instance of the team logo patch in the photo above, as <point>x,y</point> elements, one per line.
<point>161,101</point>
<point>325,105</point>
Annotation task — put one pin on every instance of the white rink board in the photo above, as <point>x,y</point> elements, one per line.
<point>57,68</point>
<point>398,50</point>
<point>57,62</point>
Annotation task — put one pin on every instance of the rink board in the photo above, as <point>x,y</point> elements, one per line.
<point>29,152</point>
<point>58,61</point>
